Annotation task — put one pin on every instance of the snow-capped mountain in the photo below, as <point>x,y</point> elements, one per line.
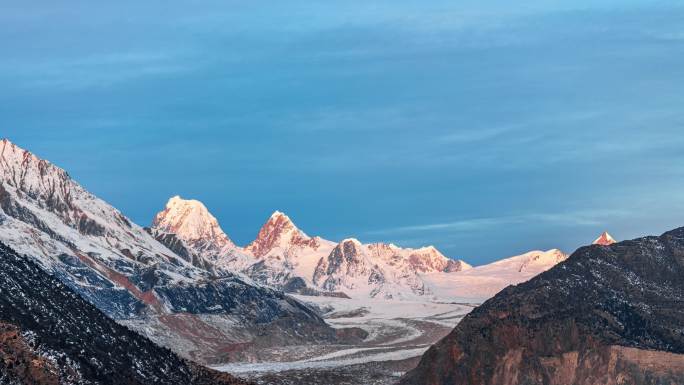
<point>281,256</point>
<point>380,270</point>
<point>286,256</point>
<point>187,227</point>
<point>191,221</point>
<point>117,266</point>
<point>483,282</point>
<point>279,233</point>
<point>604,239</point>
<point>430,260</point>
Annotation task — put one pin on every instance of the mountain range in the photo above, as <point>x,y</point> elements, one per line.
<point>284,257</point>
<point>177,299</point>
<point>184,284</point>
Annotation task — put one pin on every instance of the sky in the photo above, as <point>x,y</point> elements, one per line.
<point>486,128</point>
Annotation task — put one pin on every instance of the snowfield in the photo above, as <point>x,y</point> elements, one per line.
<point>397,331</point>
<point>483,282</point>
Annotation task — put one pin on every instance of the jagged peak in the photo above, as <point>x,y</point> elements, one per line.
<point>380,245</point>
<point>430,249</point>
<point>190,220</point>
<point>604,239</point>
<point>177,201</point>
<point>350,240</point>
<point>279,231</point>
<point>349,246</point>
<point>282,219</point>
<point>278,214</point>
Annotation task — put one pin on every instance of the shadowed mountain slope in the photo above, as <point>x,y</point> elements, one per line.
<point>608,315</point>
<point>50,335</point>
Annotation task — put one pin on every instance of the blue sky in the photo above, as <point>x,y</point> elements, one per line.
<point>486,128</point>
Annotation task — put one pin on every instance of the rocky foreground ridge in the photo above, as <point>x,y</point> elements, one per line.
<point>49,335</point>
<point>610,314</point>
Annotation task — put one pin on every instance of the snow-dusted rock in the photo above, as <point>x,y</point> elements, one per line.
<point>381,270</point>
<point>187,227</point>
<point>129,275</point>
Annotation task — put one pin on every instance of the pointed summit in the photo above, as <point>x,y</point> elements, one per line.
<point>277,214</point>
<point>278,232</point>
<point>190,220</point>
<point>604,239</point>
<point>428,259</point>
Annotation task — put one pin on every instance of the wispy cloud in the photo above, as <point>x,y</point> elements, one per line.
<point>465,136</point>
<point>100,70</point>
<point>576,218</point>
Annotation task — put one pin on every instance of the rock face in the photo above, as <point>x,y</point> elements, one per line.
<point>381,270</point>
<point>175,296</point>
<point>279,232</point>
<point>49,335</point>
<point>608,315</point>
<point>286,256</point>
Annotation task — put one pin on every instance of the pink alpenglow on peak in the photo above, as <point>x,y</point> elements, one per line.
<point>382,270</point>
<point>482,282</point>
<point>284,253</point>
<point>279,232</point>
<point>604,239</point>
<point>429,259</point>
<point>193,223</point>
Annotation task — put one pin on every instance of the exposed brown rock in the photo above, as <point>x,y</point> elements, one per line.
<point>21,362</point>
<point>608,315</point>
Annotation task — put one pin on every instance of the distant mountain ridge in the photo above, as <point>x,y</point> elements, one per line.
<point>482,282</point>
<point>285,257</point>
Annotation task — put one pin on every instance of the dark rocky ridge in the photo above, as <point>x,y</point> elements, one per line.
<point>50,335</point>
<point>608,315</point>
